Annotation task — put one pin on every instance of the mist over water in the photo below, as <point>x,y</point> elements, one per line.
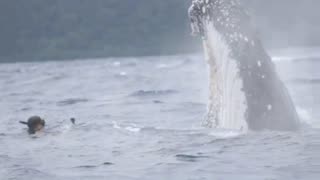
<point>285,23</point>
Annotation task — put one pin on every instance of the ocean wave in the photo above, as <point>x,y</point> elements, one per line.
<point>172,64</point>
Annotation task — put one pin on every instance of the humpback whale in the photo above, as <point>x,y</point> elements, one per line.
<point>245,90</point>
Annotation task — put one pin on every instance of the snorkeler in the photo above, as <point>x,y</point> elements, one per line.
<point>35,124</point>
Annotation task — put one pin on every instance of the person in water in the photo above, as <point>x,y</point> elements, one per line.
<point>35,124</point>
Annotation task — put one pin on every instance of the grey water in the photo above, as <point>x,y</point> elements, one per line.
<point>141,118</point>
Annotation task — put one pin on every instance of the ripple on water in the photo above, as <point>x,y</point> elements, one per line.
<point>71,101</point>
<point>27,173</point>
<point>190,158</point>
<point>94,166</point>
<point>145,93</point>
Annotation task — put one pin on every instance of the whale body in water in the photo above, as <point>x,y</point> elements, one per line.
<point>245,90</point>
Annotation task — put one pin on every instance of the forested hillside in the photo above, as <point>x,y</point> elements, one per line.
<point>62,29</point>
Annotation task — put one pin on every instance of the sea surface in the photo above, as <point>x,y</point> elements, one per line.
<point>141,119</point>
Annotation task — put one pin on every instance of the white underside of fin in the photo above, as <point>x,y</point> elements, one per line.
<point>227,102</point>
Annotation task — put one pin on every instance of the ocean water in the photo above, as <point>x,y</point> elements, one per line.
<point>141,119</point>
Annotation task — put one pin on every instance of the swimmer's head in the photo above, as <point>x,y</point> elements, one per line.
<point>35,124</point>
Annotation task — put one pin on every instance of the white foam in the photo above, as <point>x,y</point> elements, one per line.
<point>227,102</point>
<point>307,117</point>
<point>225,134</point>
<point>304,114</point>
<point>115,125</point>
<point>123,73</point>
<point>161,66</point>
<point>132,128</point>
<point>116,64</point>
<point>259,63</point>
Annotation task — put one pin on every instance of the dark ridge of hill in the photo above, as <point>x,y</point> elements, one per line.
<point>63,29</point>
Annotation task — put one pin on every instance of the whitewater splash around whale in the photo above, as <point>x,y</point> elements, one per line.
<point>245,90</point>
